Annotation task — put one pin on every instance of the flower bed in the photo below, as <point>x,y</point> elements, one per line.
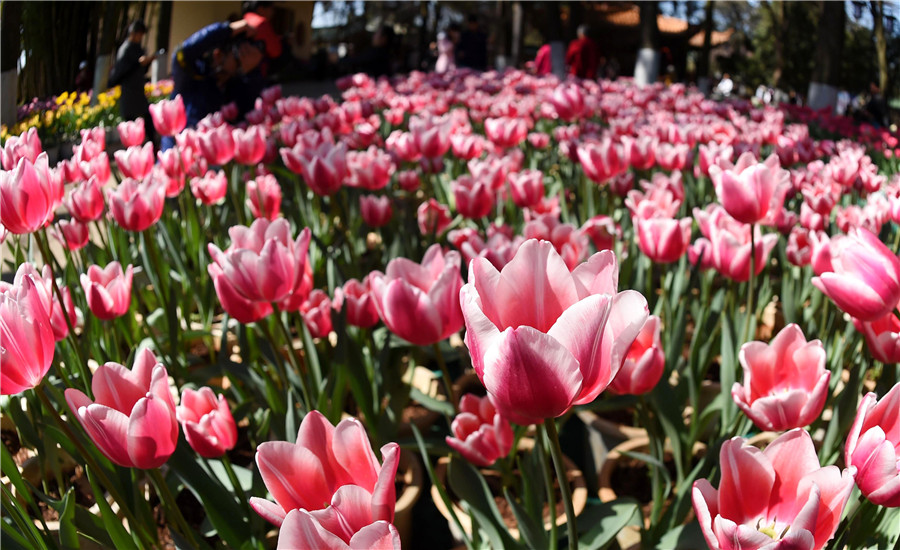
<point>710,270</point>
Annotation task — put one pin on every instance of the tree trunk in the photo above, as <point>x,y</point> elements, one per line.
<point>704,62</point>
<point>10,48</point>
<point>163,28</point>
<point>780,22</point>
<point>646,68</point>
<point>880,45</point>
<point>830,44</point>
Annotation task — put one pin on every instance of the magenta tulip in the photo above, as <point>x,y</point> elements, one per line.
<point>777,499</point>
<point>207,422</point>
<point>73,233</point>
<point>108,290</point>
<point>132,420</point>
<point>135,205</point>
<point>663,240</point>
<point>29,195</point>
<point>754,193</point>
<point>308,474</point>
<point>644,364</point>
<point>480,434</point>
<point>27,146</point>
<point>506,132</point>
<point>601,161</point>
<point>356,298</point>
<point>27,335</point>
<point>527,187</point>
<point>211,188</point>
<point>249,145</point>
<point>420,302</point>
<point>376,211</point>
<point>785,381</point>
<point>544,338</point>
<point>85,202</point>
<point>864,276</point>
<point>371,169</point>
<point>433,217</point>
<point>316,312</point>
<point>264,197</point>
<point>873,447</point>
<point>474,198</point>
<point>882,337</point>
<point>136,161</point>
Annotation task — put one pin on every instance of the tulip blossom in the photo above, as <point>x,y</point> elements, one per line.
<point>863,277</point>
<point>249,145</point>
<point>316,312</point>
<point>785,381</point>
<point>131,132</point>
<point>43,281</point>
<point>601,161</point>
<point>568,101</point>
<point>799,247</point>
<point>108,290</point>
<point>779,498</point>
<point>480,434</point>
<point>169,116</point>
<point>376,211</point>
<point>27,146</point>
<point>663,240</point>
<point>474,198</point>
<point>356,299</point>
<point>217,145</point>
<point>29,195</point>
<point>408,180</point>
<point>264,197</point>
<point>430,134</point>
<point>544,337</point>
<point>602,231</point>
<point>506,132</point>
<point>85,202</point>
<point>97,167</point>
<point>433,217</point>
<point>326,169</point>
<point>527,187</point>
<point>467,146</point>
<point>727,244</point>
<point>644,364</point>
<point>136,161</point>
<point>347,524</point>
<point>211,188</point>
<point>132,420</point>
<point>27,336</point>
<point>262,265</point>
<point>137,205</point>
<point>307,475</point>
<point>73,233</point>
<point>882,337</point>
<point>873,447</point>
<point>751,192</point>
<point>671,156</point>
<point>640,152</point>
<point>420,302</point>
<point>371,169</point>
<point>207,422</point>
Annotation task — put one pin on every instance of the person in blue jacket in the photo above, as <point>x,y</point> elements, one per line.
<point>207,67</point>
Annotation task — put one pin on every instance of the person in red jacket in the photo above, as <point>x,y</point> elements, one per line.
<point>583,56</point>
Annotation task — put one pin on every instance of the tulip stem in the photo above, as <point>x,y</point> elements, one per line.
<point>94,466</point>
<point>751,314</point>
<point>296,360</point>
<point>445,374</point>
<point>556,453</point>
<point>232,476</point>
<point>165,494</point>
<point>551,493</point>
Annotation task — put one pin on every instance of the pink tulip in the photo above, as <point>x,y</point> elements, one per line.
<point>420,302</point>
<point>132,421</point>
<point>73,233</point>
<point>43,281</point>
<point>873,447</point>
<point>249,145</point>
<point>727,244</point>
<point>29,195</point>
<point>217,145</point>
<point>663,240</point>
<point>327,169</point>
<point>131,132</point>
<point>467,146</point>
<point>316,312</point>
<point>474,198</point>
<point>602,231</point>
<point>357,299</point>
<point>568,101</point>
<point>376,211</point>
<point>136,162</point>
<point>27,146</point>
<point>96,134</point>
<point>527,187</point>
<point>28,342</point>
<point>480,434</point>
<point>211,188</point>
<point>601,161</point>
<point>640,151</point>
<point>882,337</point>
<point>207,422</point>
<point>403,146</point>
<point>168,116</point>
<point>776,499</point>
<point>785,381</point>
<point>85,202</point>
<point>433,217</point>
<point>644,364</point>
<point>262,265</point>
<point>544,338</point>
<point>308,474</point>
<point>347,524</point>
<point>371,169</point>
<point>97,167</point>
<point>264,197</point>
<point>751,192</point>
<point>431,135</point>
<point>108,290</point>
<point>799,247</point>
<point>137,205</point>
<point>408,180</point>
<point>864,276</point>
<point>539,140</point>
<point>506,132</point>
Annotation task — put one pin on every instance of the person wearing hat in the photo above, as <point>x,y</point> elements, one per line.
<point>129,73</point>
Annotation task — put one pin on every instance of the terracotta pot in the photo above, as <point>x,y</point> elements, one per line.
<point>425,381</point>
<point>628,538</point>
<point>574,475</point>
<point>611,427</point>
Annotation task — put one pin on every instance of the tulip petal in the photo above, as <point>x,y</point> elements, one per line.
<point>380,535</point>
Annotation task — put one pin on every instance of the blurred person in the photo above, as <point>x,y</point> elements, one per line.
<point>543,61</point>
<point>446,49</point>
<point>129,72</point>
<point>726,85</point>
<point>379,59</point>
<point>582,57</point>
<point>472,49</point>
<point>875,111</point>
